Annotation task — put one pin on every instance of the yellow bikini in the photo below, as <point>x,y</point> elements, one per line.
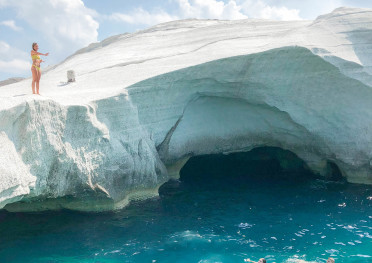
<point>34,57</point>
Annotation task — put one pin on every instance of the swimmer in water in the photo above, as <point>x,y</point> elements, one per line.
<point>329,260</point>
<point>261,260</point>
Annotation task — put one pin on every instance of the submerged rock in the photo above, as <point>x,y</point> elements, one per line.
<point>187,88</point>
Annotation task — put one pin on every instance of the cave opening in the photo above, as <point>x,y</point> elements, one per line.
<point>260,166</point>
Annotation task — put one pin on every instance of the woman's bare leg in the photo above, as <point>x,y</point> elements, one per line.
<point>37,87</point>
<point>33,86</point>
<point>38,81</point>
<point>34,78</point>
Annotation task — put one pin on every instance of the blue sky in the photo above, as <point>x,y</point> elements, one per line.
<point>63,26</point>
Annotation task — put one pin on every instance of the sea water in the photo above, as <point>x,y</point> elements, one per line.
<point>205,220</point>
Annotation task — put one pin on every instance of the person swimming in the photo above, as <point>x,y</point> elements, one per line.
<point>261,260</point>
<point>329,260</point>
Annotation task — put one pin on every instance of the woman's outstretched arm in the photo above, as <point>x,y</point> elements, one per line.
<point>38,53</point>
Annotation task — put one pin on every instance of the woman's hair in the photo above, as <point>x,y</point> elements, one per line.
<point>263,260</point>
<point>33,45</point>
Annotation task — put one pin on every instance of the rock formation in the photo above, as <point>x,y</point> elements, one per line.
<point>144,103</point>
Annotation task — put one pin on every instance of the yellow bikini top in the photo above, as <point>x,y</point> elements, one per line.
<point>35,57</point>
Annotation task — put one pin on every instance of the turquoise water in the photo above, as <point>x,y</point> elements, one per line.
<point>206,220</point>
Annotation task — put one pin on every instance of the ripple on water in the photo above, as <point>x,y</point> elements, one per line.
<point>245,225</point>
<point>361,256</point>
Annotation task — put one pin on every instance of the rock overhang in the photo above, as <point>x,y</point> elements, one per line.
<point>260,78</point>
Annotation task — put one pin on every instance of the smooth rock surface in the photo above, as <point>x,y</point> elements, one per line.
<point>144,103</point>
<point>10,81</point>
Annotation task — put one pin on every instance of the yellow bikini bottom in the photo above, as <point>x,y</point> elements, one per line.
<point>37,68</point>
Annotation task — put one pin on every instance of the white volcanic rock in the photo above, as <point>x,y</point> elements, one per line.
<point>16,179</point>
<point>10,81</point>
<point>143,103</point>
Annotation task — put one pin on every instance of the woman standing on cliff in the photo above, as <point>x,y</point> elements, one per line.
<point>35,68</point>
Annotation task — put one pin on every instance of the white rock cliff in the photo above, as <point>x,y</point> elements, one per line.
<point>144,103</point>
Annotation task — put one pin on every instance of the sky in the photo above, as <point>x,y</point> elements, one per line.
<point>61,27</point>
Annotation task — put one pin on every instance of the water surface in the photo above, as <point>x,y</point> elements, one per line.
<point>205,220</point>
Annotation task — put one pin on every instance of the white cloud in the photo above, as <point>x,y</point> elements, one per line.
<point>201,9</point>
<point>281,13</point>
<point>210,9</point>
<point>14,60</point>
<point>11,24</point>
<point>260,9</point>
<point>4,47</point>
<point>235,10</point>
<point>15,66</point>
<point>140,16</point>
<point>307,9</point>
<point>8,52</point>
<point>68,24</point>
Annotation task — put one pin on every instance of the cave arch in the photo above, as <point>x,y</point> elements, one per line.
<point>261,163</point>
